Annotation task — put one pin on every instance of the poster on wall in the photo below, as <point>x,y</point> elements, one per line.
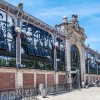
<point>26,38</point>
<point>35,41</point>
<point>2,30</point>
<point>6,31</point>
<point>10,33</point>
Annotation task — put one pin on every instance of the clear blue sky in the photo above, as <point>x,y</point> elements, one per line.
<point>52,12</point>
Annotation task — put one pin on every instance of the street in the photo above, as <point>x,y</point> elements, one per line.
<point>92,93</point>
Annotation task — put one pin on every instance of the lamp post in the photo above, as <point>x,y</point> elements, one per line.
<point>18,32</point>
<point>18,47</point>
<point>55,61</point>
<point>78,78</point>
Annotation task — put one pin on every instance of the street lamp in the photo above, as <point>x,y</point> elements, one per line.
<point>18,47</point>
<point>19,15</point>
<point>17,30</point>
<point>55,61</point>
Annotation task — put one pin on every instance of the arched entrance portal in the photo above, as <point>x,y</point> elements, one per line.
<point>75,66</point>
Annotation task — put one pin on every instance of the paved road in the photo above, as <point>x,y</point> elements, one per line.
<point>84,94</point>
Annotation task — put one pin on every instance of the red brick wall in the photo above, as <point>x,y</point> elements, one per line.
<point>7,81</point>
<point>40,79</point>
<point>50,79</point>
<point>61,79</point>
<point>28,80</point>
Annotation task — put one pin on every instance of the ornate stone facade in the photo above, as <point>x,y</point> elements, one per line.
<point>73,37</point>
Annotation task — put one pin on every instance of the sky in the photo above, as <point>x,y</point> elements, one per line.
<point>52,12</point>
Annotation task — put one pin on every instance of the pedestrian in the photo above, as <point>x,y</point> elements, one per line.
<point>86,84</point>
<point>83,84</point>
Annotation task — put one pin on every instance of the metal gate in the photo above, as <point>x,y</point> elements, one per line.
<point>19,94</point>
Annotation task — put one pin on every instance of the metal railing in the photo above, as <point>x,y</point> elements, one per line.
<point>19,94</point>
<point>58,88</point>
<point>32,93</point>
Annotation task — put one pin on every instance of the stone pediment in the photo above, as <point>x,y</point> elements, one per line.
<point>72,30</point>
<point>75,36</point>
<point>73,25</point>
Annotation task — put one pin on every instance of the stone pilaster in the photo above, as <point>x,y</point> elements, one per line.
<point>34,79</point>
<point>19,79</point>
<point>56,78</point>
<point>68,62</point>
<point>46,78</point>
<point>82,64</point>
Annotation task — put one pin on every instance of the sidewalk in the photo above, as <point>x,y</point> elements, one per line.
<point>84,94</point>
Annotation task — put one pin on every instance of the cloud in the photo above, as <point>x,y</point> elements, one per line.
<point>52,11</point>
<point>83,10</point>
<point>27,3</point>
<point>94,43</point>
<point>94,20</point>
<point>53,8</point>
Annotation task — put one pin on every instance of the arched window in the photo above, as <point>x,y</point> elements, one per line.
<point>75,57</point>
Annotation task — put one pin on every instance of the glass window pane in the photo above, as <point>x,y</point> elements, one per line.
<point>46,39</point>
<point>49,66</point>
<point>10,27</point>
<point>11,62</point>
<point>31,50</point>
<point>75,61</point>
<point>11,45</point>
<point>39,65</point>
<point>3,23</point>
<point>23,33</point>
<point>29,34</point>
<point>3,61</point>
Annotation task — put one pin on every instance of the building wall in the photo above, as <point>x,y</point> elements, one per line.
<point>92,77</point>
<point>11,78</point>
<point>15,78</point>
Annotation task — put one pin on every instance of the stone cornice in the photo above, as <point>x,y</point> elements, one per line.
<point>92,51</point>
<point>29,18</point>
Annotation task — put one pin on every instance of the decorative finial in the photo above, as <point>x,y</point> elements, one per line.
<point>74,17</point>
<point>20,6</point>
<point>65,19</point>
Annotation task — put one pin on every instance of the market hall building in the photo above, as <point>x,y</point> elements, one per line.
<point>46,55</point>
